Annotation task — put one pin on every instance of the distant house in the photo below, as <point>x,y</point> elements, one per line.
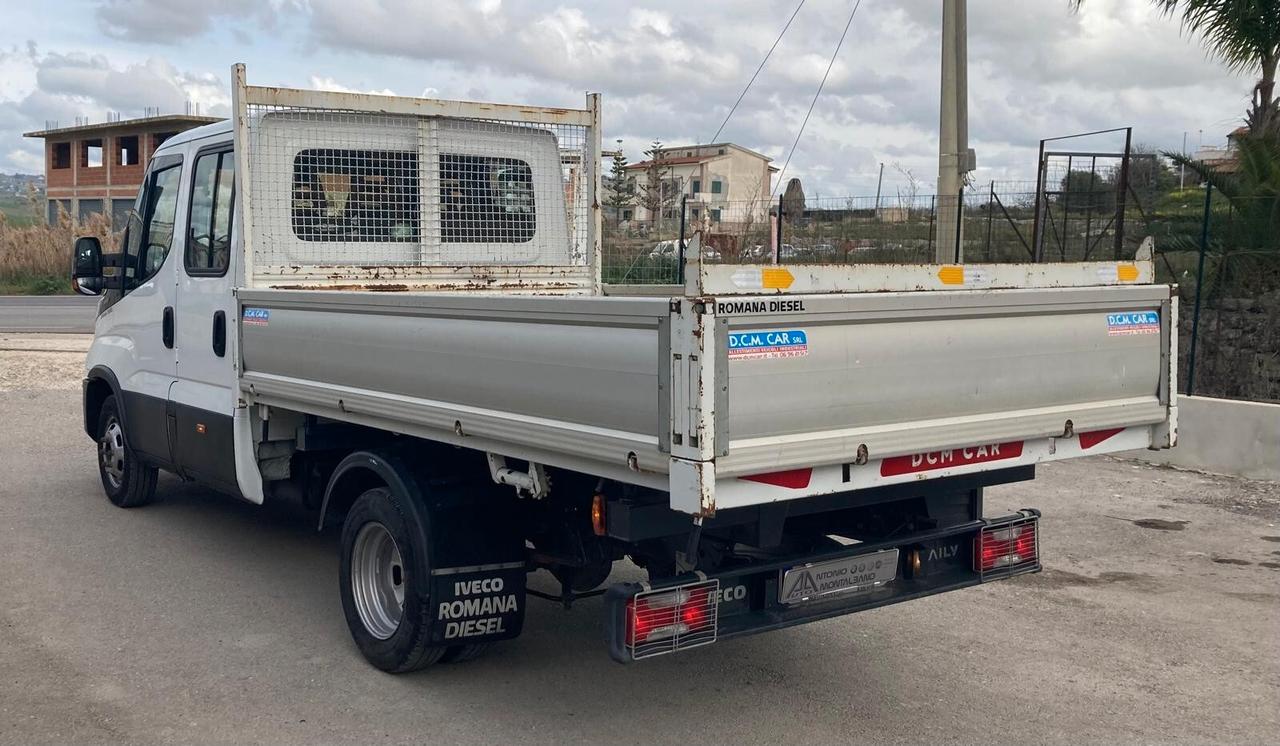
<point>97,168</point>
<point>1225,159</point>
<point>722,181</point>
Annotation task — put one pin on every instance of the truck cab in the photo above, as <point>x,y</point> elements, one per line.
<point>158,365</point>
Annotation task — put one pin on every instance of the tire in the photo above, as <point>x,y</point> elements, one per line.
<point>128,482</point>
<point>384,581</point>
<point>464,653</point>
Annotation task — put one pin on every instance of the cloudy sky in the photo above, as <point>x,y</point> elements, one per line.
<point>667,69</point>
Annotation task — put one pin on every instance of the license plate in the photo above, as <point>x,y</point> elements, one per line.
<point>849,575</point>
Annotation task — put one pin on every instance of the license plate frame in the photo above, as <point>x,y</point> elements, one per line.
<point>821,581</point>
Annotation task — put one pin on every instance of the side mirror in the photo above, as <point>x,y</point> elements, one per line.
<point>86,266</point>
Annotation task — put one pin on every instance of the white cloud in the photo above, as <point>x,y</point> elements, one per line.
<point>667,68</point>
<point>25,161</point>
<point>175,21</point>
<point>323,83</point>
<point>60,88</point>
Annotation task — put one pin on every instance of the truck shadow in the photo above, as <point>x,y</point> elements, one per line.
<point>539,675</point>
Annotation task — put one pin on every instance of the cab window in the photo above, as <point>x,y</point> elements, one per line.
<point>150,233</point>
<point>209,225</point>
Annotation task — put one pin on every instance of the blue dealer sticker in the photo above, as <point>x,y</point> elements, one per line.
<point>1135,322</point>
<point>766,345</point>
<point>257,316</point>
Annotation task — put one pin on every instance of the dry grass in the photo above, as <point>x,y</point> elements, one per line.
<point>38,256</point>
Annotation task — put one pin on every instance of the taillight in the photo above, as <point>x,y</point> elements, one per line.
<point>1008,546</point>
<point>671,619</point>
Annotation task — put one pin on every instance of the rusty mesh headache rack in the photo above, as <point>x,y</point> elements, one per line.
<point>353,188</point>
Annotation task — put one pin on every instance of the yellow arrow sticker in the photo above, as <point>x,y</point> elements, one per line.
<point>951,275</point>
<point>1127,272</point>
<point>776,278</point>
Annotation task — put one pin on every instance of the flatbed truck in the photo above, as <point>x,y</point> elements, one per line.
<point>391,309</point>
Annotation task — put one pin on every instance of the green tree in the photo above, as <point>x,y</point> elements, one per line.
<point>1251,187</point>
<point>660,189</point>
<point>1242,34</point>
<point>621,193</point>
<point>793,201</point>
<point>1086,191</point>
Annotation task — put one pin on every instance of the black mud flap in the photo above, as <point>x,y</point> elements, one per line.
<point>477,573</point>
<point>477,603</point>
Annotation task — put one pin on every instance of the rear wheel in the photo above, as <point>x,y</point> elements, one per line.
<point>128,482</point>
<point>384,584</point>
<point>464,653</point>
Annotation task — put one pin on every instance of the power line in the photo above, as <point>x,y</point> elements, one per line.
<point>757,73</point>
<point>817,93</point>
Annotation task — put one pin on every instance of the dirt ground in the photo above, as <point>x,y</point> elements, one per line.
<point>201,619</point>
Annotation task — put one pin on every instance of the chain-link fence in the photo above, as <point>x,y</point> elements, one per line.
<point>1224,255</point>
<point>998,223</point>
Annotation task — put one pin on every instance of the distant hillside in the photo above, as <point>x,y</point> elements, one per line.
<point>14,202</point>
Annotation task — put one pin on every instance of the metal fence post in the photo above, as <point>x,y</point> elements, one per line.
<point>933,215</point>
<point>1195,317</point>
<point>1037,230</point>
<point>777,259</point>
<point>991,213</point>
<point>684,198</point>
<point>1122,196</point>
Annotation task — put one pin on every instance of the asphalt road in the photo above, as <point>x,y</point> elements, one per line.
<point>203,620</point>
<point>47,313</point>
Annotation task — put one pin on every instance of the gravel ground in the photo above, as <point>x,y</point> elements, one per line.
<point>42,362</point>
<point>204,620</point>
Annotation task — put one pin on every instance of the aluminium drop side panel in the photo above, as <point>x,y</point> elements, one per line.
<point>570,382</point>
<point>904,373</point>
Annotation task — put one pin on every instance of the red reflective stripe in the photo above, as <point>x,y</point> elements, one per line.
<point>1089,440</point>
<point>933,460</point>
<point>794,479</point>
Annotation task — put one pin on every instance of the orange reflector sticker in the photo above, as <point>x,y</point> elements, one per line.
<point>951,275</point>
<point>772,278</point>
<point>1127,272</point>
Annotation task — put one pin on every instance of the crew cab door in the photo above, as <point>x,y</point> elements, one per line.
<point>139,325</point>
<point>203,397</point>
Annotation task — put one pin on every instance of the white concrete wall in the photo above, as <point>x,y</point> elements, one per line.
<point>1224,437</point>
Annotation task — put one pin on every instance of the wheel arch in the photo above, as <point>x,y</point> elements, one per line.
<point>99,383</point>
<point>364,470</point>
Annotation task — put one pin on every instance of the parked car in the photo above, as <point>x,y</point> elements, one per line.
<point>671,250</point>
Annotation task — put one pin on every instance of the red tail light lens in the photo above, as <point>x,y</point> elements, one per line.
<point>671,619</point>
<point>1004,547</point>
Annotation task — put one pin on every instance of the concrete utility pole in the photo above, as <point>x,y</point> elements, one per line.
<point>955,159</point>
<point>879,183</point>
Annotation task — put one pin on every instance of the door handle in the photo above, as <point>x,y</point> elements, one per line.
<point>220,333</point>
<point>166,327</point>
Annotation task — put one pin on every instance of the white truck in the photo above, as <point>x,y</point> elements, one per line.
<point>391,309</point>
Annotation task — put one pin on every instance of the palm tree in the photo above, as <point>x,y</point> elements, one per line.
<point>1242,34</point>
<point>1251,187</point>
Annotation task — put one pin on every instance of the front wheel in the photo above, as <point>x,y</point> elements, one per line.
<point>128,482</point>
<point>383,584</point>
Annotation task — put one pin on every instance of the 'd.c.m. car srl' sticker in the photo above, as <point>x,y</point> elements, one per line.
<point>768,344</point>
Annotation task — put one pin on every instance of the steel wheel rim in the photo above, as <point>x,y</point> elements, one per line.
<point>111,453</point>
<point>377,580</point>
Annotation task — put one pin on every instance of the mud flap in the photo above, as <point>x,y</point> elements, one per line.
<point>478,574</point>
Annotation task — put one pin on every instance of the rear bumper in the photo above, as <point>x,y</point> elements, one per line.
<point>928,563</point>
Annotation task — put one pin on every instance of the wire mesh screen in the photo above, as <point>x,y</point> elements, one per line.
<point>344,188</point>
